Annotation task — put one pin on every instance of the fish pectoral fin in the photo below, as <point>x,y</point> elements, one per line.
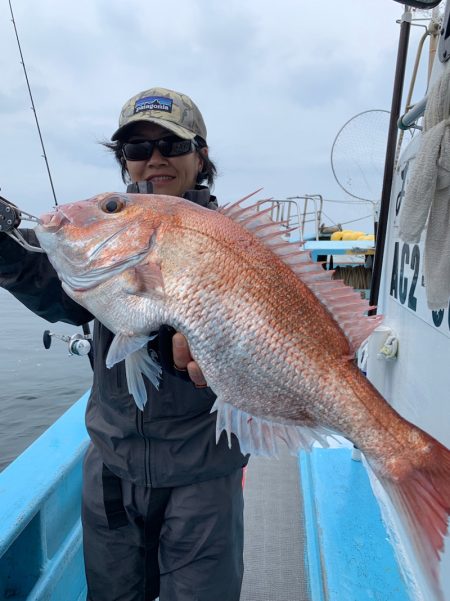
<point>149,279</point>
<point>260,436</point>
<point>138,364</point>
<point>124,345</point>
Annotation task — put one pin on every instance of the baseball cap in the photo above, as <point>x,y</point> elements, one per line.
<point>172,110</point>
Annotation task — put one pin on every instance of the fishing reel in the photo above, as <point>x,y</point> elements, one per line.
<point>77,344</point>
<point>10,219</point>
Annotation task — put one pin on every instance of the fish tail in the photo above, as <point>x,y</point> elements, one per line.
<point>421,500</point>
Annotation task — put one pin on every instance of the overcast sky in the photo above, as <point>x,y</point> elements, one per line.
<point>275,82</point>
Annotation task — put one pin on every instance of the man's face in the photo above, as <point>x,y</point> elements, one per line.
<point>169,175</point>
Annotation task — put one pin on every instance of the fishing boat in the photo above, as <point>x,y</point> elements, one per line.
<point>322,536</point>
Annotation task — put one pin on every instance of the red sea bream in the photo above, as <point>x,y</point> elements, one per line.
<point>274,335</point>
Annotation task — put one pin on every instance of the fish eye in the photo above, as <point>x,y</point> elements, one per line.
<point>113,204</point>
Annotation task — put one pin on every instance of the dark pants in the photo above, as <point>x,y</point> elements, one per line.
<point>183,543</point>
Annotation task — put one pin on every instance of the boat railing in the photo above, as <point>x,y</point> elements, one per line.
<point>40,528</point>
<point>413,114</point>
<point>295,212</point>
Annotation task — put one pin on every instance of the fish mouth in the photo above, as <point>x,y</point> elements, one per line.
<point>53,222</point>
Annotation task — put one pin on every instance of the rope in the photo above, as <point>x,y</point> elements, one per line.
<point>359,219</point>
<point>356,276</point>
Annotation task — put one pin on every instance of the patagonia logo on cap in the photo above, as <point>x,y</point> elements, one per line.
<point>153,103</point>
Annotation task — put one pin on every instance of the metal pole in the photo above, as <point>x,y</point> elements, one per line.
<point>381,226</point>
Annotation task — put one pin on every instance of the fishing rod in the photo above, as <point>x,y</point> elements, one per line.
<point>11,217</point>
<point>33,108</point>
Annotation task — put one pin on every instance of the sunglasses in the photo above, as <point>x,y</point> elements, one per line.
<point>170,146</point>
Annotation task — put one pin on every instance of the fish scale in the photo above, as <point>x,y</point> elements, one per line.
<point>274,335</point>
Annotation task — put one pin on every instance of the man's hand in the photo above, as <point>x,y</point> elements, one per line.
<point>183,361</point>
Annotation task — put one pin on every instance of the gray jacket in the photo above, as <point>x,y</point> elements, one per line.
<point>172,442</point>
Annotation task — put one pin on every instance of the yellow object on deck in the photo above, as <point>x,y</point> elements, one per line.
<point>351,235</point>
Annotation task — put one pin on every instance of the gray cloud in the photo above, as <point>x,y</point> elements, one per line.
<point>275,81</point>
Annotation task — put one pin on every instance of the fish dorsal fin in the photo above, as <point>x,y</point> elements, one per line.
<point>344,304</point>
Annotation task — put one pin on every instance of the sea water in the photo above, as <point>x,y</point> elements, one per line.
<point>36,385</point>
